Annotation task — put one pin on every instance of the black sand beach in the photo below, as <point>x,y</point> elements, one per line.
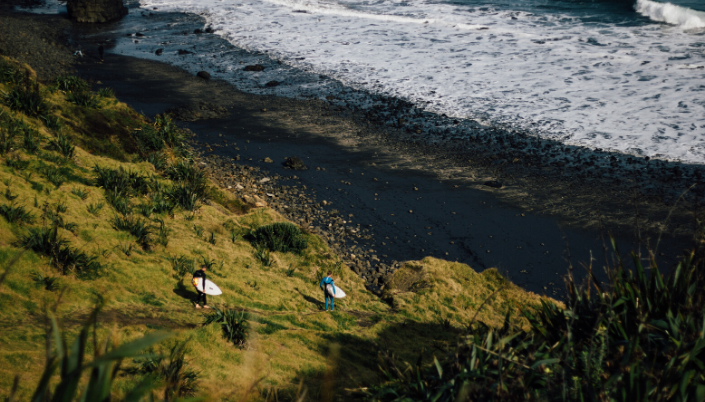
<point>378,200</point>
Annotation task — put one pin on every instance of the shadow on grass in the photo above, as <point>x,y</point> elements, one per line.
<point>349,362</point>
<point>185,293</point>
<point>318,303</point>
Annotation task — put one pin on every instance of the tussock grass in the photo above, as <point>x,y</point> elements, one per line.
<point>143,287</point>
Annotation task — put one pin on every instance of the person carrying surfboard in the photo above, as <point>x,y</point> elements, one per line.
<point>199,278</point>
<point>328,280</point>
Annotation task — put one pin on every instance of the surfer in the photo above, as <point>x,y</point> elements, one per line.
<point>201,273</point>
<point>328,280</point>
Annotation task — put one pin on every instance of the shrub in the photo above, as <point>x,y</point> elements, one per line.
<point>7,141</point>
<point>46,241</point>
<point>262,255</point>
<point>50,283</point>
<point>8,194</point>
<point>181,265</point>
<point>198,230</point>
<point>10,74</point>
<point>162,133</point>
<point>186,171</point>
<point>71,83</point>
<point>27,100</point>
<point>161,203</point>
<point>233,322</point>
<point>54,175</point>
<point>180,381</point>
<point>123,182</point>
<point>185,196</point>
<point>162,233</point>
<point>145,209</point>
<point>638,337</point>
<point>83,98</point>
<point>94,209</point>
<point>16,214</point>
<point>126,248</point>
<point>15,162</point>
<point>157,159</point>
<point>51,122</point>
<point>30,141</point>
<point>71,357</point>
<point>106,92</point>
<point>119,202</point>
<point>280,236</point>
<point>80,193</point>
<point>43,240</point>
<point>136,227</point>
<point>63,144</point>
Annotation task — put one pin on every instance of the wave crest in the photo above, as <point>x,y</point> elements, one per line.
<point>669,13</point>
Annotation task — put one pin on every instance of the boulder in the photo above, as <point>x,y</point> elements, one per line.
<point>93,11</point>
<point>203,74</point>
<point>295,163</point>
<point>256,67</point>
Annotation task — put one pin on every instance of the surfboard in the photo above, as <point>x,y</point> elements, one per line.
<point>339,293</point>
<point>211,288</point>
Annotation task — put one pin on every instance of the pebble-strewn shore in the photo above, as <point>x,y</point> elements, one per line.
<point>299,204</point>
<point>39,42</point>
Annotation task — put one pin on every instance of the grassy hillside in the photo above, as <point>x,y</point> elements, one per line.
<point>99,203</point>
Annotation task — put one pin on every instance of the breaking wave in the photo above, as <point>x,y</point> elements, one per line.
<point>671,14</point>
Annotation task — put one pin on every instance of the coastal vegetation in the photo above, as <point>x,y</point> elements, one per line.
<point>106,212</point>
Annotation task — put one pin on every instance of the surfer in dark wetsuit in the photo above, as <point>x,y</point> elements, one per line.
<point>201,273</point>
<point>324,283</point>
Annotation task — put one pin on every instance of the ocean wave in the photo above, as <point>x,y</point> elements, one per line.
<point>671,14</point>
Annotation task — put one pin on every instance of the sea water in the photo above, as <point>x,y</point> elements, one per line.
<point>619,75</point>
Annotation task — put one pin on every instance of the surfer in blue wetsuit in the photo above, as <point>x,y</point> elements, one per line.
<point>201,273</point>
<point>328,280</point>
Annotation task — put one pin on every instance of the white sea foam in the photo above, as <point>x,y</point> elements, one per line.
<point>627,88</point>
<point>671,14</point>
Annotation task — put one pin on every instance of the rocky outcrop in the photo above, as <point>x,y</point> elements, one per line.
<point>96,10</point>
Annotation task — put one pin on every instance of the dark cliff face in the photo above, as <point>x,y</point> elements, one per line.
<point>96,10</point>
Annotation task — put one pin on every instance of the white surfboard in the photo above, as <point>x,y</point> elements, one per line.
<point>339,293</point>
<point>211,288</point>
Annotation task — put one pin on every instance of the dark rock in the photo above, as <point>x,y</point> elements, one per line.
<point>256,67</point>
<point>375,289</point>
<point>271,84</point>
<point>203,74</point>
<point>198,31</point>
<point>493,183</point>
<point>159,52</point>
<point>295,163</point>
<point>183,52</point>
<point>99,11</point>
